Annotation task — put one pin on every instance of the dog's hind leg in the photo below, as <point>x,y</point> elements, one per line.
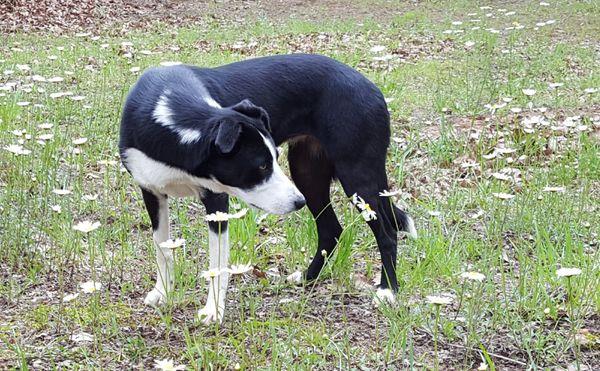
<point>218,246</point>
<point>158,209</point>
<point>312,173</point>
<point>366,178</point>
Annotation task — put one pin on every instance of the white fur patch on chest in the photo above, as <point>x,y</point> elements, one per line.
<point>161,178</point>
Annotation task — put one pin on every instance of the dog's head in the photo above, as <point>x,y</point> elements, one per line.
<point>244,160</point>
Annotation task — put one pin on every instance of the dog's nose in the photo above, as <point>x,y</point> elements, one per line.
<point>299,204</point>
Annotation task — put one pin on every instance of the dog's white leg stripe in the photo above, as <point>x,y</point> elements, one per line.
<point>219,257</point>
<point>218,246</point>
<point>164,257</point>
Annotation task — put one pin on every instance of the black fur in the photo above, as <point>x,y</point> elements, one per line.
<point>336,120</point>
<point>151,201</point>
<point>214,202</point>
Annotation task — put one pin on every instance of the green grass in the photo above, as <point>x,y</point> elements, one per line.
<point>522,314</point>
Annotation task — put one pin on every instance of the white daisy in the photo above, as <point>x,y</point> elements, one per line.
<point>167,365</point>
<point>501,176</point>
<point>60,94</point>
<point>212,273</point>
<point>70,297</point>
<point>473,276</point>
<point>554,189</point>
<point>172,244</point>
<point>503,196</point>
<point>240,268</point>
<point>377,49</point>
<point>365,209</point>
<point>62,192</point>
<point>223,217</point>
<point>86,226</point>
<point>90,287</point>
<point>386,193</point>
<point>439,300</point>
<point>568,272</point>
<point>17,149</point>
<point>368,214</point>
<point>82,337</point>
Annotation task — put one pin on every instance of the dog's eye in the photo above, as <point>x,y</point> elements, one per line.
<point>262,167</point>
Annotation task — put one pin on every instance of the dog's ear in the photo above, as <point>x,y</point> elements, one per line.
<point>246,107</point>
<point>227,135</point>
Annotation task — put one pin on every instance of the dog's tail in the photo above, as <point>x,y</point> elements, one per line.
<point>405,222</point>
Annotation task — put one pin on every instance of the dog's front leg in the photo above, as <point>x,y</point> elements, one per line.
<point>158,209</point>
<point>218,246</point>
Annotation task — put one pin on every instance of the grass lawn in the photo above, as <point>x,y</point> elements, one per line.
<point>495,148</point>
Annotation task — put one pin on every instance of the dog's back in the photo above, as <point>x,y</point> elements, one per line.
<point>306,94</point>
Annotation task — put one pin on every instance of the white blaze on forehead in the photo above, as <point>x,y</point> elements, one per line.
<point>271,147</point>
<point>277,194</point>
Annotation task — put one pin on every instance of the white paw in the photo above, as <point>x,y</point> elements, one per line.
<point>209,314</point>
<point>384,296</point>
<point>295,278</point>
<point>155,298</point>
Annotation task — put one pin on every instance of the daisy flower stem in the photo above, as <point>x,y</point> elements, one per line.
<point>435,336</point>
<point>460,300</point>
<point>393,213</point>
<point>572,321</point>
<point>94,299</point>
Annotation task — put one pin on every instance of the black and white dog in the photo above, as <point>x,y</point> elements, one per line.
<point>213,132</point>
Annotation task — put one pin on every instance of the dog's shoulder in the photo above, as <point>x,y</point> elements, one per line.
<point>169,116</point>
